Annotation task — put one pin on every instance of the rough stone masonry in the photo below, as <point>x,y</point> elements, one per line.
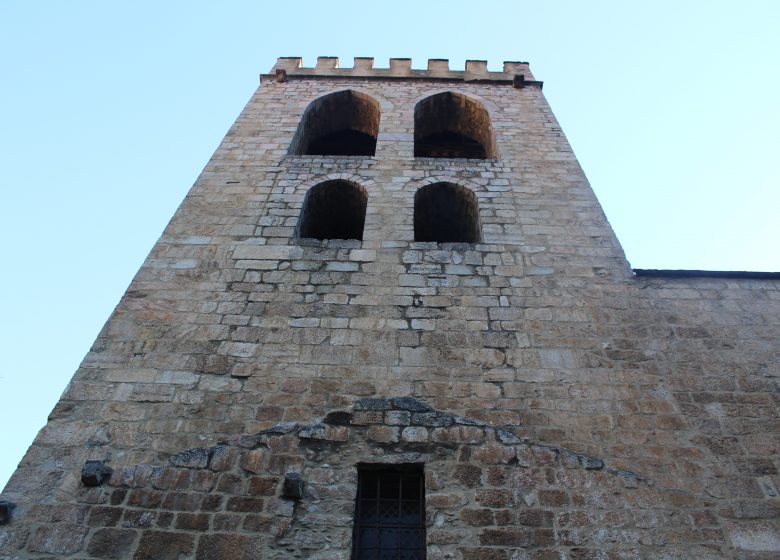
<point>559,404</point>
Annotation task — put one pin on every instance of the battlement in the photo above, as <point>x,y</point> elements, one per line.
<point>401,68</point>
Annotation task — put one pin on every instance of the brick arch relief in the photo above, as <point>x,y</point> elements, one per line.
<point>289,492</point>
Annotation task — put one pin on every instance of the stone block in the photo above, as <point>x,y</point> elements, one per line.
<point>244,505</point>
<point>414,434</point>
<point>468,475</point>
<point>229,545</point>
<point>493,454</point>
<point>253,461</point>
<point>112,543</point>
<point>164,545</point>
<point>432,419</point>
<point>372,404</point>
<point>383,434</point>
<point>192,521</point>
<point>478,517</point>
<point>104,516</point>
<point>181,501</point>
<point>60,540</point>
<point>467,434</point>
<point>410,404</point>
<point>494,498</point>
<point>194,458</point>
<point>223,458</point>
<point>483,553</point>
<point>397,418</point>
<point>506,537</point>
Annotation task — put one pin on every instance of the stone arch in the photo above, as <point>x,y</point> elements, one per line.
<point>446,212</point>
<point>450,124</point>
<point>333,209</point>
<point>339,123</point>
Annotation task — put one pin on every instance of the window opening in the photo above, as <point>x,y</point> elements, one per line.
<point>344,123</point>
<point>333,210</point>
<point>390,513</point>
<point>451,125</point>
<point>446,213</point>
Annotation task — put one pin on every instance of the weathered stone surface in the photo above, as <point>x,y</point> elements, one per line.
<point>383,434</point>
<point>410,404</point>
<point>414,434</point>
<point>372,404</point>
<point>238,547</point>
<point>94,473</point>
<point>60,539</point>
<point>223,458</point>
<point>253,461</point>
<point>433,419</point>
<point>163,545</point>
<point>111,543</point>
<point>195,458</point>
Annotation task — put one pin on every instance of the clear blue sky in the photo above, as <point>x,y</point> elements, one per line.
<point>109,110</point>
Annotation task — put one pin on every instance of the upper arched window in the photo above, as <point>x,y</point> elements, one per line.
<point>451,125</point>
<point>344,123</point>
<point>333,210</point>
<point>446,213</point>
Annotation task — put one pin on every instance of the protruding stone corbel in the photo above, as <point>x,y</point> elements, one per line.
<point>518,81</point>
<point>6,508</point>
<point>292,488</point>
<point>281,75</point>
<point>95,473</point>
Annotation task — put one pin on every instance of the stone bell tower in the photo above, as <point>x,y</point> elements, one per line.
<point>390,320</point>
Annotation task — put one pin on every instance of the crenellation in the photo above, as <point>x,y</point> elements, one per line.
<point>437,68</point>
<point>363,63</point>
<point>476,66</point>
<point>401,66</point>
<point>327,62</point>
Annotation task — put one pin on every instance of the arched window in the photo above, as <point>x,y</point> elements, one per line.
<point>451,125</point>
<point>446,213</point>
<point>333,210</point>
<point>344,123</point>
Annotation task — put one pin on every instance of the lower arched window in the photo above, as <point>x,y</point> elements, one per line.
<point>333,210</point>
<point>445,212</point>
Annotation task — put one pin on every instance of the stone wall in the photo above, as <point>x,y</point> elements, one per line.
<point>586,413</point>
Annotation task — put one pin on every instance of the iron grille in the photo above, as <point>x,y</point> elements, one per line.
<point>390,514</point>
